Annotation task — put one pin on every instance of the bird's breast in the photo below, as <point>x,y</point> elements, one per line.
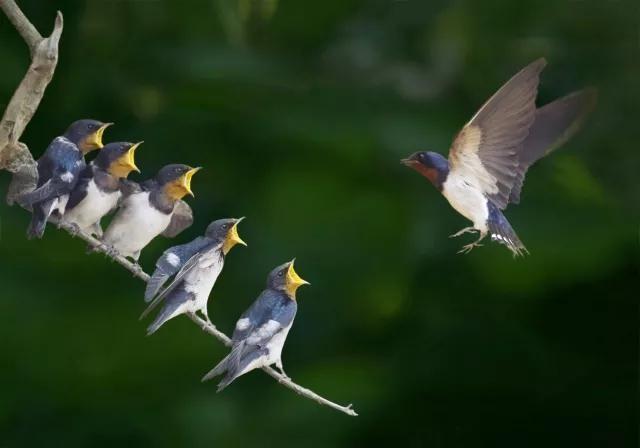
<point>467,199</point>
<point>136,224</point>
<point>93,207</point>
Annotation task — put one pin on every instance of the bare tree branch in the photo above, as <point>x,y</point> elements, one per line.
<point>16,158</point>
<point>28,32</point>
<point>135,269</point>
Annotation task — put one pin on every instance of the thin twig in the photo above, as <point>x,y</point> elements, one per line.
<point>135,269</point>
<point>15,157</point>
<point>285,381</point>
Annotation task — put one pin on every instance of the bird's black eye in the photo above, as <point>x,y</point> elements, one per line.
<point>421,156</point>
<point>281,274</point>
<point>225,226</point>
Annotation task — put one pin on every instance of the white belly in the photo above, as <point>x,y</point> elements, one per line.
<point>201,279</point>
<point>467,199</point>
<point>274,346</point>
<point>135,225</point>
<point>93,207</point>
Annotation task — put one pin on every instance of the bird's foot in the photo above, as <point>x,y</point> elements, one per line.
<point>281,371</point>
<point>469,247</point>
<point>136,269</point>
<point>463,231</point>
<point>73,229</point>
<point>108,250</point>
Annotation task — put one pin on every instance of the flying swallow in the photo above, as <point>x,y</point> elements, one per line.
<point>261,331</point>
<point>196,266</point>
<point>58,171</point>
<point>149,209</point>
<point>98,190</point>
<point>490,156</point>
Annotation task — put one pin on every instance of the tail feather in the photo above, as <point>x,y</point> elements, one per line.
<point>163,316</point>
<point>502,232</point>
<point>217,370</point>
<point>39,219</point>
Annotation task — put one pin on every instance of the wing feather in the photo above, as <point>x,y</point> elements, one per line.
<point>486,149</point>
<point>181,219</point>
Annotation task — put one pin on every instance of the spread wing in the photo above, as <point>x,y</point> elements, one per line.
<point>554,124</point>
<point>485,151</point>
<point>190,264</point>
<point>171,261</point>
<point>181,219</point>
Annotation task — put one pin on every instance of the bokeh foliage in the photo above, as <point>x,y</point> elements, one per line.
<point>299,112</point>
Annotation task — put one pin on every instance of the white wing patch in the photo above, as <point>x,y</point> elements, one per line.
<point>66,177</point>
<point>243,324</point>
<point>265,331</point>
<point>173,259</point>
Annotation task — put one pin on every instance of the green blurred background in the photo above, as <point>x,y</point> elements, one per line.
<point>300,111</point>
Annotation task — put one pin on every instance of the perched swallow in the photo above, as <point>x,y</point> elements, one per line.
<point>196,266</point>
<point>98,190</point>
<point>490,156</point>
<point>261,331</point>
<point>150,209</point>
<point>58,172</point>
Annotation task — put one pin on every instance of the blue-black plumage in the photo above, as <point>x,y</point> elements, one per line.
<point>98,190</point>
<point>490,156</point>
<point>58,172</point>
<point>196,267</point>
<point>262,330</point>
<point>154,207</point>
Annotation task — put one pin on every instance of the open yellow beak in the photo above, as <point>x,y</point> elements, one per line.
<point>186,180</point>
<point>125,163</point>
<point>232,238</point>
<point>129,157</point>
<point>294,281</point>
<point>95,140</point>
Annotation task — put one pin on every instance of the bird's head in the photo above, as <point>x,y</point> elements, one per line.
<point>431,165</point>
<point>86,134</point>
<point>226,232</point>
<point>285,278</point>
<point>117,158</point>
<point>175,180</point>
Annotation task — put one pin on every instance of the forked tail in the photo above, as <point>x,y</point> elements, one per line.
<point>502,232</point>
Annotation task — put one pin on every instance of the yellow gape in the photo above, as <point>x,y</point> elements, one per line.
<point>123,165</point>
<point>294,281</point>
<point>94,141</point>
<point>232,238</point>
<point>182,185</point>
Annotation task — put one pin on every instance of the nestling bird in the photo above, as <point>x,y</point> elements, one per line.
<point>99,188</point>
<point>196,266</point>
<point>150,209</point>
<point>261,331</point>
<point>58,171</point>
<point>490,156</point>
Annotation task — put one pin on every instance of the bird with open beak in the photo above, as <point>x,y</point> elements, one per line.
<point>490,156</point>
<point>196,267</point>
<point>98,190</point>
<point>58,171</point>
<point>149,209</point>
<point>262,330</point>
